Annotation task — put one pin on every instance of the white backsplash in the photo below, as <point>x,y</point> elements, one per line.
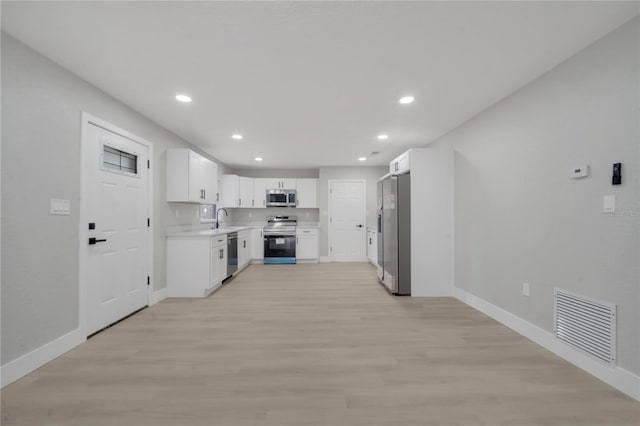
<point>258,217</point>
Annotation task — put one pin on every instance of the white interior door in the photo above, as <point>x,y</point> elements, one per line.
<point>347,221</point>
<point>117,206</point>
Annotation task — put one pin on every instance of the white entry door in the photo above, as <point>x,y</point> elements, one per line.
<point>117,210</point>
<point>347,221</point>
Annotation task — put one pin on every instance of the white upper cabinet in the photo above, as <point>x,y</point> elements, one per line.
<point>401,164</point>
<point>246,192</point>
<point>191,178</point>
<point>208,171</point>
<point>280,183</point>
<point>307,193</point>
<point>237,191</point>
<point>260,193</point>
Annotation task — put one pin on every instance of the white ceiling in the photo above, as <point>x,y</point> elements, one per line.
<point>310,84</point>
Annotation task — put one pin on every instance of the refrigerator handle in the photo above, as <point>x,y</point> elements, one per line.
<point>379,223</point>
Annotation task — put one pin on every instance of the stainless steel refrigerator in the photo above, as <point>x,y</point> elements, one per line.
<point>394,233</point>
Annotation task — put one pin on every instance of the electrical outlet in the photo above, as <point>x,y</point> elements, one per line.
<point>525,289</point>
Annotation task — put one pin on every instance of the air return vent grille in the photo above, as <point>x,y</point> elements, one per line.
<point>587,324</point>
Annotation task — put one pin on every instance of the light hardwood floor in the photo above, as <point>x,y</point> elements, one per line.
<point>311,345</point>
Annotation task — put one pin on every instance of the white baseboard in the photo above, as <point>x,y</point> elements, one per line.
<point>20,367</point>
<point>158,296</point>
<point>618,377</point>
<point>325,259</point>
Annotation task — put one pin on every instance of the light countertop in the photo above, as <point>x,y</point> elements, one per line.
<point>207,232</point>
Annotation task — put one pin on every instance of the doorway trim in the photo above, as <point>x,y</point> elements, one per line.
<point>86,121</point>
<point>364,215</point>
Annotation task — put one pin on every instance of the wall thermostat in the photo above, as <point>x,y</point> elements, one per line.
<point>580,172</point>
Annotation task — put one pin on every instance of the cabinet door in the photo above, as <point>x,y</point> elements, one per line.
<point>401,164</point>
<point>306,246</point>
<point>191,178</point>
<point>208,171</point>
<point>244,248</point>
<point>273,183</point>
<point>307,193</point>
<point>221,263</point>
<point>246,192</point>
<point>260,193</point>
<point>257,244</point>
<point>230,190</point>
<point>288,183</point>
<point>195,179</point>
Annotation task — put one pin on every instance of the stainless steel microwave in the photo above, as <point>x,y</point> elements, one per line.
<point>281,198</point>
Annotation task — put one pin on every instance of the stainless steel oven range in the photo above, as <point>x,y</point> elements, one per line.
<point>280,240</point>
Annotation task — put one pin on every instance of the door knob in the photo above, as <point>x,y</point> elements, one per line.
<point>359,226</point>
<point>93,240</point>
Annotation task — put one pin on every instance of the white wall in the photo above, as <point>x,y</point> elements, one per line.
<point>277,173</point>
<point>518,216</point>
<point>370,174</point>
<point>41,110</point>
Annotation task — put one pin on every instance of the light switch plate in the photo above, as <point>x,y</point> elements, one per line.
<point>609,204</point>
<point>525,289</point>
<point>580,172</point>
<point>59,206</point>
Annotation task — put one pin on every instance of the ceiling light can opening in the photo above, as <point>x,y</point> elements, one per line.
<point>383,137</point>
<point>362,159</point>
<point>258,158</point>
<point>236,136</point>
<point>183,98</point>
<point>406,99</point>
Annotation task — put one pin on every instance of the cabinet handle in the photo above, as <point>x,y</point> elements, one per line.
<point>204,194</point>
<point>297,240</point>
<point>217,196</point>
<point>370,241</point>
<point>239,201</point>
<point>244,244</point>
<point>264,202</point>
<point>253,203</point>
<point>221,254</point>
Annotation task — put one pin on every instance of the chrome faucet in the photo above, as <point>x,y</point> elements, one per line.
<point>218,219</point>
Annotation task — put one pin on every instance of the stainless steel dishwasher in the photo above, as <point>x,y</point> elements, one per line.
<point>232,253</point>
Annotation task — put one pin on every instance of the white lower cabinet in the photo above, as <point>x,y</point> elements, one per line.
<point>244,248</point>
<point>372,246</point>
<point>257,244</point>
<point>195,265</point>
<point>307,244</point>
<point>219,255</point>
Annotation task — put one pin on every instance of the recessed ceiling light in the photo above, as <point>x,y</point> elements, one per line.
<point>258,158</point>
<point>236,136</point>
<point>406,99</point>
<point>383,137</point>
<point>183,98</point>
<point>362,159</point>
